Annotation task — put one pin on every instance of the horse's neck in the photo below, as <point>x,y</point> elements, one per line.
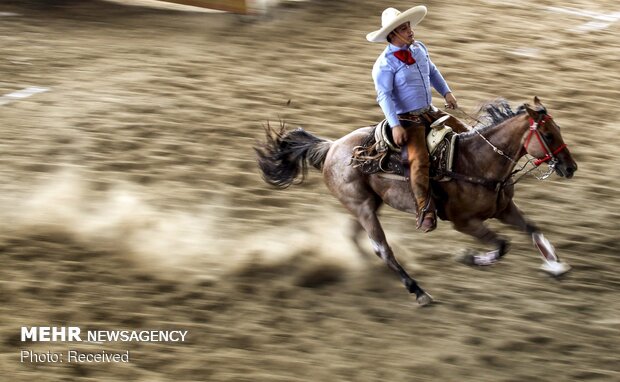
<point>477,156</point>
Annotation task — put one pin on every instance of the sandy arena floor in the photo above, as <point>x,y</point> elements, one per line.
<point>130,197</point>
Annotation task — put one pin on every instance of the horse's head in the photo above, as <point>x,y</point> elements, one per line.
<point>544,141</point>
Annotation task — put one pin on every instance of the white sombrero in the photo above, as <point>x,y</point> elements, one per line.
<point>392,17</point>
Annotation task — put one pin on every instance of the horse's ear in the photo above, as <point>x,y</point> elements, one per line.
<point>532,112</point>
<point>539,106</point>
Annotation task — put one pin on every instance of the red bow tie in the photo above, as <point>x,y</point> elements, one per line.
<point>405,56</point>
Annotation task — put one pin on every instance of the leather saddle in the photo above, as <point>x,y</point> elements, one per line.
<point>379,154</point>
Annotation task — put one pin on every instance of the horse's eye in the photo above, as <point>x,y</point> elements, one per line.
<point>548,137</point>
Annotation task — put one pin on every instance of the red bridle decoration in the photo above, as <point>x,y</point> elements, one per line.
<point>534,132</point>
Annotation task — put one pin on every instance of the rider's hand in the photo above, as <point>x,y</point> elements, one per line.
<point>400,135</point>
<point>451,101</point>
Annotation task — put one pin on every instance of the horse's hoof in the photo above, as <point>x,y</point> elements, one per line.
<point>555,268</point>
<point>466,257</point>
<point>478,259</point>
<point>424,299</point>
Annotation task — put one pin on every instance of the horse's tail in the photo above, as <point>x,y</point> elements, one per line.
<point>284,158</point>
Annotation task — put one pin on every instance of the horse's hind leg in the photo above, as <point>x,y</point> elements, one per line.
<point>356,229</point>
<point>477,229</point>
<point>366,213</point>
<point>551,262</point>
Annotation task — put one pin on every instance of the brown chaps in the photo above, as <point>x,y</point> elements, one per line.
<point>418,158</point>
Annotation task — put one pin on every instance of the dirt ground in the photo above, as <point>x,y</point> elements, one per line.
<point>130,196</point>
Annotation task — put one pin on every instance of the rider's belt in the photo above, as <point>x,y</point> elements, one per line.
<point>418,112</point>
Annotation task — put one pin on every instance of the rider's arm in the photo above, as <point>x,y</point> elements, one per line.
<point>436,79</point>
<point>383,78</point>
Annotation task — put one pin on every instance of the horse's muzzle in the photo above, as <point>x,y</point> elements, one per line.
<point>566,171</point>
<point>566,165</point>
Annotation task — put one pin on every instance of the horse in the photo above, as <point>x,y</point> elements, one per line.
<point>481,185</point>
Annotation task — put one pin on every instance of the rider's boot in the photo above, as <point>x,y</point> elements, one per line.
<point>427,218</point>
<point>419,163</point>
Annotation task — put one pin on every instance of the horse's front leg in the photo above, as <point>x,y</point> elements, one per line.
<point>551,262</point>
<point>477,229</point>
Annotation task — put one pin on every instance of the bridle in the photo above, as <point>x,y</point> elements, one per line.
<point>534,132</point>
<point>550,156</point>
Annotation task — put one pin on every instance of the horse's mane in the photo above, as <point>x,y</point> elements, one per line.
<point>492,114</point>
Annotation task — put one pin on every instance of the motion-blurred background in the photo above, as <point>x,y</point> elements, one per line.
<point>130,197</point>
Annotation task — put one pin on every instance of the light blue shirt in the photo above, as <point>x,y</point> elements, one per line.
<point>402,88</point>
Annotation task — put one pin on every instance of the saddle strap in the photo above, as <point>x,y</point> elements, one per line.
<point>495,185</point>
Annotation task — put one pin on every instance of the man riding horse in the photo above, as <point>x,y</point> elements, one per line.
<point>481,182</point>
<point>403,75</point>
